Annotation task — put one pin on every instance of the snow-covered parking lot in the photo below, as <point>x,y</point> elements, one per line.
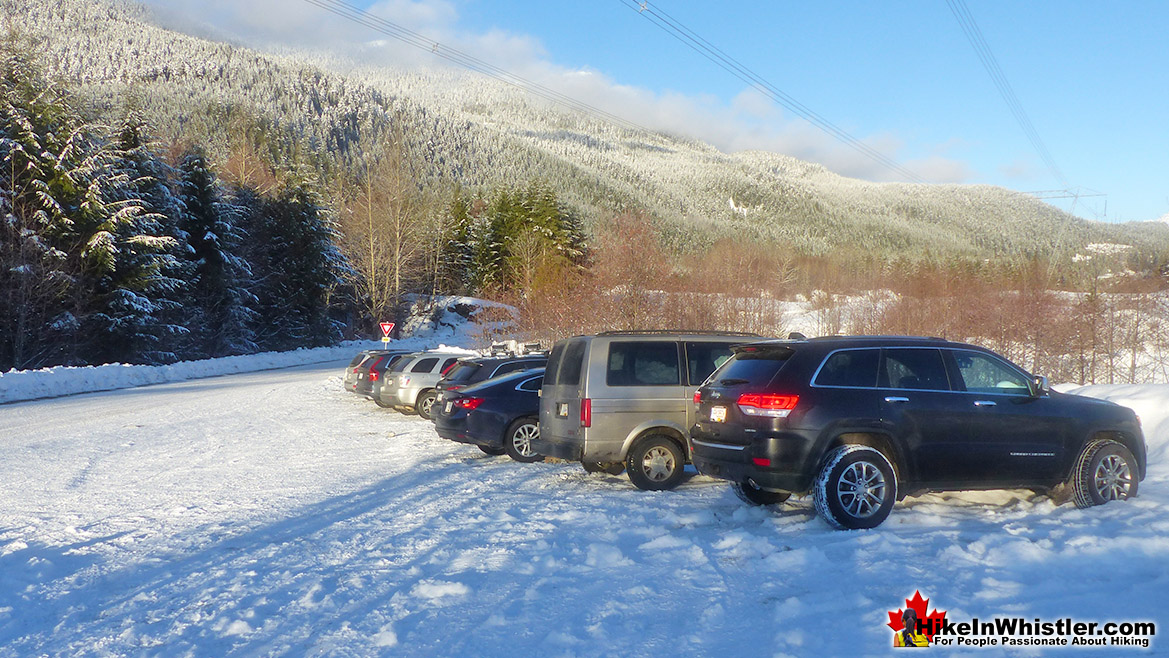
<point>272,513</point>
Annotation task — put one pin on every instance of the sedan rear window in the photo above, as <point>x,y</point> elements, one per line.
<point>462,372</point>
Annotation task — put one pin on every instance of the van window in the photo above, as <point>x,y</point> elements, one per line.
<point>571,363</point>
<point>914,369</point>
<point>643,363</point>
<point>852,368</point>
<point>704,358</point>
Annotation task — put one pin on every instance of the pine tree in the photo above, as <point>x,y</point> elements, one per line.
<point>223,308</point>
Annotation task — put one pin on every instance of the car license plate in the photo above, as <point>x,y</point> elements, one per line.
<point>447,409</point>
<point>718,414</point>
<point>562,410</point>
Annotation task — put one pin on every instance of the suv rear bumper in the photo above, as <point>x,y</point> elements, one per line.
<point>787,457</point>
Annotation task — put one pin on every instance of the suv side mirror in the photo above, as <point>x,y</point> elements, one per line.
<point>1041,386</point>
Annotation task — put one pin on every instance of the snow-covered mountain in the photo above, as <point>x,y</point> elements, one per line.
<point>474,131</point>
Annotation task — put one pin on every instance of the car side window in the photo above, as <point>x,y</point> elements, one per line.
<point>425,365</point>
<point>532,384</point>
<point>704,358</point>
<point>914,369</point>
<point>850,368</point>
<point>643,363</point>
<point>984,374</point>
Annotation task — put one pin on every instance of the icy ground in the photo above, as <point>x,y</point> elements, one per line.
<point>271,513</point>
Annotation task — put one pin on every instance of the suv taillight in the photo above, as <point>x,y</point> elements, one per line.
<point>767,404</point>
<point>586,412</point>
<point>373,376</point>
<point>697,397</point>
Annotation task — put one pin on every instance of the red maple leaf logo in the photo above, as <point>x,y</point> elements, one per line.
<point>930,623</point>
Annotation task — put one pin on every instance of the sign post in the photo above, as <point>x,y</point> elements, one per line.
<point>387,327</point>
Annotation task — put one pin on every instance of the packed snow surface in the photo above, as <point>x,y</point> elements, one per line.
<point>272,513</point>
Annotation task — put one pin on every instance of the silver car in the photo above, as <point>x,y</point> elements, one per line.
<point>626,400</point>
<point>409,385</point>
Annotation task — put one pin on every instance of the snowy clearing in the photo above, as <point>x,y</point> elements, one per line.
<point>272,513</point>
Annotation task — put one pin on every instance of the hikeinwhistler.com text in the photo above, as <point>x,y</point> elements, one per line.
<point>1019,632</point>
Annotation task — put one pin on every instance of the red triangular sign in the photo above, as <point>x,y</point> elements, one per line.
<point>387,327</point>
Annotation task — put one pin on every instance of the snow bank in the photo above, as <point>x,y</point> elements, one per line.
<point>17,385</point>
<point>1151,404</point>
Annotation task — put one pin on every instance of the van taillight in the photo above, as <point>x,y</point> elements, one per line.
<point>586,412</point>
<point>767,404</point>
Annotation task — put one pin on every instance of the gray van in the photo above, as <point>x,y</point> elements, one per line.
<point>625,399</point>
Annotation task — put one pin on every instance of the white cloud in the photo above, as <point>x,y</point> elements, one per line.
<point>750,121</point>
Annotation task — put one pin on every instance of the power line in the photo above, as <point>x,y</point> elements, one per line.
<point>693,40</point>
<point>410,37</point>
<point>990,63</point>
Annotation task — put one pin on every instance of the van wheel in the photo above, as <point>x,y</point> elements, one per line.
<point>655,463</point>
<point>1106,470</point>
<point>752,494</point>
<point>518,440</point>
<point>425,404</point>
<point>856,488</point>
<point>612,468</point>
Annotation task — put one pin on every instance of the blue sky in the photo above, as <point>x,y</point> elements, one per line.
<point>901,76</point>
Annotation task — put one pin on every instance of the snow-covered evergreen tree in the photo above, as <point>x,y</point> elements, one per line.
<point>223,307</point>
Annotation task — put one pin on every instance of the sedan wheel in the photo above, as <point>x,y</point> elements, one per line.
<point>518,440</point>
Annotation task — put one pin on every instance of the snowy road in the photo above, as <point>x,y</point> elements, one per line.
<point>274,514</point>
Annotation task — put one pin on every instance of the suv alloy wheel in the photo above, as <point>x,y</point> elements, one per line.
<point>856,488</point>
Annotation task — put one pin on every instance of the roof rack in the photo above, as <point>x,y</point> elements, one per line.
<point>877,337</point>
<point>673,332</point>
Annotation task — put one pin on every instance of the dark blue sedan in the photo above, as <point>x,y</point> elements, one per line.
<point>499,415</point>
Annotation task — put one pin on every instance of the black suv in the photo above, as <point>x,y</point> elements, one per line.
<point>862,422</point>
<point>468,372</point>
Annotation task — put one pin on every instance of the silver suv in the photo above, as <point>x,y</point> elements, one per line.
<point>625,400</point>
<point>409,385</point>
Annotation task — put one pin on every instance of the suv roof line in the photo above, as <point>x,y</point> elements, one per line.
<point>676,332</point>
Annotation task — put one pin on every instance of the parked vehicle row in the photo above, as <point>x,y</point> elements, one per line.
<point>858,423</point>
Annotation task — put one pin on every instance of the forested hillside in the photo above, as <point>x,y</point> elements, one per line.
<point>476,132</point>
<point>167,197</point>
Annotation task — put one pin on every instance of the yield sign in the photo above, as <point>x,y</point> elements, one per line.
<point>387,327</point>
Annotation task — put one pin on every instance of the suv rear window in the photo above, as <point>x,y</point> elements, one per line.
<point>643,363</point>
<point>851,368</point>
<point>462,372</point>
<point>755,368</point>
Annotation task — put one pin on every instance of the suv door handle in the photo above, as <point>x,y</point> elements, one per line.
<point>984,403</point>
<point>896,399</point>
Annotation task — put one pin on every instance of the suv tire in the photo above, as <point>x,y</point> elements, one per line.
<point>1105,471</point>
<point>655,463</point>
<point>425,403</point>
<point>518,440</point>
<point>749,493</point>
<point>846,470</point>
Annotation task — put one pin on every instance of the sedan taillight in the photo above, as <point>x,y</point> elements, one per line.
<point>468,403</point>
<point>767,404</point>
